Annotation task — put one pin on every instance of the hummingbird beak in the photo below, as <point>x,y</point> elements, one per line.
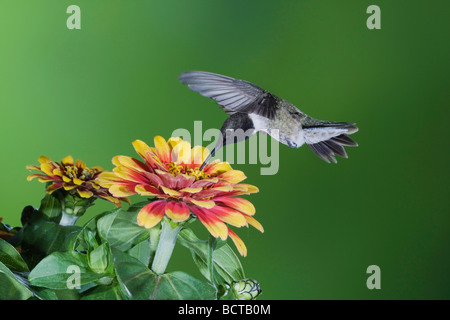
<point>207,159</point>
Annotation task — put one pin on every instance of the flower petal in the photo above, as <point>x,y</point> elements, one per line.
<point>170,192</point>
<point>53,187</point>
<point>232,176</point>
<point>122,190</point>
<point>168,179</point>
<point>57,172</point>
<point>47,168</point>
<point>229,216</point>
<point>141,148</point>
<point>238,243</point>
<point>252,221</point>
<point>40,176</point>
<point>215,191</point>
<point>191,190</point>
<point>162,149</point>
<point>173,141</point>
<point>147,153</point>
<point>154,179</point>
<point>202,203</point>
<point>181,153</point>
<point>67,161</point>
<point>199,155</point>
<point>177,211</point>
<point>204,183</point>
<point>85,193</point>
<point>239,189</point>
<point>216,227</point>
<point>132,163</point>
<point>115,161</point>
<point>240,204</point>
<point>219,168</point>
<point>97,169</point>
<point>128,174</point>
<point>68,187</point>
<point>250,188</point>
<point>151,214</point>
<point>47,179</point>
<point>115,201</point>
<point>147,190</point>
<point>80,164</point>
<point>29,167</point>
<point>77,181</point>
<point>106,179</point>
<point>44,159</point>
<point>184,181</point>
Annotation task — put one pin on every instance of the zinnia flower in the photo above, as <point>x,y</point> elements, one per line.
<point>73,177</point>
<point>170,172</point>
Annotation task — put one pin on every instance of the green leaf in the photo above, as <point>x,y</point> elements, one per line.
<point>227,267</point>
<point>51,207</point>
<point>111,292</point>
<point>179,285</point>
<point>105,221</point>
<point>10,286</point>
<point>138,282</point>
<point>124,232</point>
<point>56,271</point>
<point>67,294</point>
<point>96,247</point>
<point>43,293</point>
<point>145,250</point>
<point>11,258</point>
<point>135,279</point>
<point>142,251</point>
<point>89,236</point>
<point>42,237</point>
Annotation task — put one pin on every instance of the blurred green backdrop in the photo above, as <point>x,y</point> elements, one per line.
<point>91,92</point>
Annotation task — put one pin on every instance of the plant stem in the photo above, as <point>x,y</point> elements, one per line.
<point>167,240</point>
<point>209,258</point>
<point>68,219</point>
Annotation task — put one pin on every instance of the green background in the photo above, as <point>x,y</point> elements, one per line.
<point>91,92</point>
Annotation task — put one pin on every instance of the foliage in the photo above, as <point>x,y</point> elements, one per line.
<point>109,257</point>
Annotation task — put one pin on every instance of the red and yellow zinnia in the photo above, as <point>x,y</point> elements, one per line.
<point>72,176</point>
<point>170,172</point>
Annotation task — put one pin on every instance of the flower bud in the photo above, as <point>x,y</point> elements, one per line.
<point>98,258</point>
<point>246,289</point>
<point>72,207</point>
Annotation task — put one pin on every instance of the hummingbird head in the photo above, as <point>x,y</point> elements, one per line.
<point>238,127</point>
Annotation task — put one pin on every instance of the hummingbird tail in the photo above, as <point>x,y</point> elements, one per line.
<point>330,139</point>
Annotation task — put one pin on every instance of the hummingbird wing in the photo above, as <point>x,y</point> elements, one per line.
<point>231,94</point>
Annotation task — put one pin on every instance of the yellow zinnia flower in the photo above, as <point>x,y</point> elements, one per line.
<point>170,172</point>
<point>72,177</point>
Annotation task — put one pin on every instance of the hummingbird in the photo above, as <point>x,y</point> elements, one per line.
<point>254,109</point>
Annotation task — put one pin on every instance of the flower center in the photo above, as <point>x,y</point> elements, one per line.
<point>86,174</point>
<point>198,174</point>
<point>177,169</point>
<point>71,171</point>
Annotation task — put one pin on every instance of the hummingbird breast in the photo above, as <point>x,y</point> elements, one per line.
<point>285,127</point>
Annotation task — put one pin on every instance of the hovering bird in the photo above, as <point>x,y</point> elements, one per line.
<point>254,109</point>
